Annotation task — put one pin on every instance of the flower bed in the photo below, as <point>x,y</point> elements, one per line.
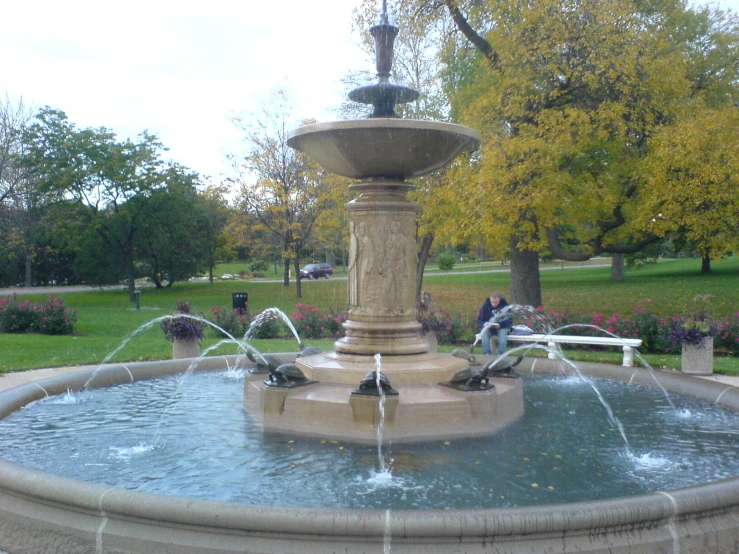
<point>312,323</point>
<point>657,332</point>
<point>50,317</point>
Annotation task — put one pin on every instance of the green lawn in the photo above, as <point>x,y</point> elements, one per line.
<point>106,318</point>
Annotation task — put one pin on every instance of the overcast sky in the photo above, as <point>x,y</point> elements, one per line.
<point>179,68</point>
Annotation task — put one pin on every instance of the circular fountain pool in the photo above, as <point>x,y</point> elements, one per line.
<point>43,512</point>
<point>168,436</point>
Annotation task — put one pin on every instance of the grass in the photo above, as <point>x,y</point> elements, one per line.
<point>106,318</point>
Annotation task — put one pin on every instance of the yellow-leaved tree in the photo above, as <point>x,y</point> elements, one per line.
<point>692,178</point>
<point>281,191</point>
<point>568,95</point>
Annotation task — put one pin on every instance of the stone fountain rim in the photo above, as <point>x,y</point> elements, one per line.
<point>386,123</point>
<point>51,495</point>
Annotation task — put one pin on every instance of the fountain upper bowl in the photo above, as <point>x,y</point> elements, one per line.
<point>383,147</point>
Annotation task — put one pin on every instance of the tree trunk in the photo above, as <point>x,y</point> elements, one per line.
<point>618,267</point>
<point>28,279</point>
<point>525,282</point>
<point>299,287</point>
<point>286,272</point>
<point>706,265</point>
<point>423,255</point>
<point>131,280</point>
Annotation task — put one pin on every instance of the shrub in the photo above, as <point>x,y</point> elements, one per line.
<point>659,335</point>
<point>447,328</point>
<point>312,323</point>
<point>49,318</point>
<point>446,260</point>
<point>18,317</point>
<point>727,338</point>
<point>55,318</point>
<point>459,329</point>
<point>233,322</point>
<point>259,266</point>
<point>185,326</point>
<point>266,326</point>
<point>652,329</point>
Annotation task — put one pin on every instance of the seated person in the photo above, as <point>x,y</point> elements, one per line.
<point>495,317</point>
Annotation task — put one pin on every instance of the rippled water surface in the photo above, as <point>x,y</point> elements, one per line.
<point>191,438</point>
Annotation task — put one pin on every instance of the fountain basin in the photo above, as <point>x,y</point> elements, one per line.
<point>383,147</point>
<point>40,512</point>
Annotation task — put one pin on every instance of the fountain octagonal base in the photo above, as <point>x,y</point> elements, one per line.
<point>423,410</point>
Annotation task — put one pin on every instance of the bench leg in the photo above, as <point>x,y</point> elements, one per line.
<point>628,356</point>
<point>553,349</point>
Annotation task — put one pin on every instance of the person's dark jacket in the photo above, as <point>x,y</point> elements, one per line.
<point>487,312</point>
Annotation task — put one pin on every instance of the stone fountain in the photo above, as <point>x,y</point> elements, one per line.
<point>382,152</point>
<point>43,512</point>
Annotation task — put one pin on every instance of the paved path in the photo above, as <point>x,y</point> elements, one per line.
<point>86,288</point>
<point>56,290</point>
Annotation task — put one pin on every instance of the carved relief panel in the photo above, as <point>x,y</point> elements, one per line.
<point>382,264</point>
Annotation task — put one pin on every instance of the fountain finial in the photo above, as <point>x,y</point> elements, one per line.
<point>383,14</point>
<point>384,95</point>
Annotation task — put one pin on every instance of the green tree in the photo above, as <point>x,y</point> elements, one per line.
<point>171,244</point>
<point>93,168</point>
<point>214,205</point>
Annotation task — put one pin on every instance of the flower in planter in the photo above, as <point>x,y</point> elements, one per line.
<point>695,327</point>
<point>184,326</point>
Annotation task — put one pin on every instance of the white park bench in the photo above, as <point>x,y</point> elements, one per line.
<point>552,341</point>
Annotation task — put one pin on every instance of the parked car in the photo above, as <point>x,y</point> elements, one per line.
<point>314,271</point>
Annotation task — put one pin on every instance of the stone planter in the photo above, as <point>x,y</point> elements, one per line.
<point>698,358</point>
<point>185,349</point>
<point>433,343</point>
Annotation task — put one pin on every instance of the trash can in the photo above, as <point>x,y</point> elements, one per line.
<point>240,301</point>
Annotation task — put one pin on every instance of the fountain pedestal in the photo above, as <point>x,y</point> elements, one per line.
<point>382,272</point>
<point>381,298</point>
